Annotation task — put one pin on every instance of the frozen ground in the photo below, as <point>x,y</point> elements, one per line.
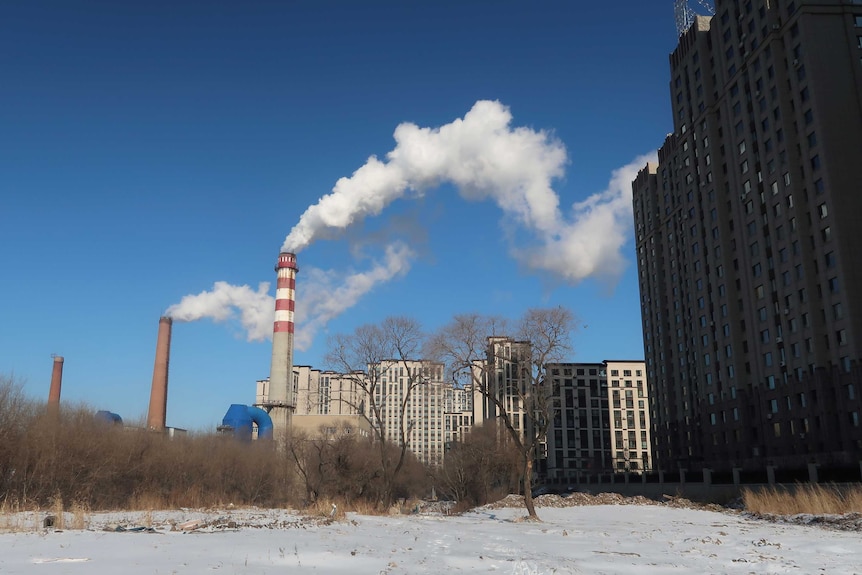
<point>590,539</point>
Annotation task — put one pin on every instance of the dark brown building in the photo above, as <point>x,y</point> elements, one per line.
<point>749,241</point>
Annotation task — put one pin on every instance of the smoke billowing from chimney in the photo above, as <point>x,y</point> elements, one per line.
<point>326,294</point>
<point>223,301</point>
<point>486,158</point>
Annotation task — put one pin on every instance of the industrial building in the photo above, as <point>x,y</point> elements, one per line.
<point>410,396</point>
<point>747,234</point>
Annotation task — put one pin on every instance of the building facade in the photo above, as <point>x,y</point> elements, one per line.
<point>746,234</point>
<point>457,414</point>
<point>503,380</point>
<point>411,397</point>
<point>600,421</point>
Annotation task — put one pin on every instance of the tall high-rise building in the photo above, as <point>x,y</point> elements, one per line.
<point>748,239</point>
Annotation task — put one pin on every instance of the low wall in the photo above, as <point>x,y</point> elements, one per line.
<point>705,485</point>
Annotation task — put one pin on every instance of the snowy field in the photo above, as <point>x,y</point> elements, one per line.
<point>621,539</point>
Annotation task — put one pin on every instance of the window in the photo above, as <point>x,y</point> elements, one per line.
<point>756,270</point>
<point>837,311</point>
<point>841,336</point>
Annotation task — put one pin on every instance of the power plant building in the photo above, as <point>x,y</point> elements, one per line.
<point>747,236</point>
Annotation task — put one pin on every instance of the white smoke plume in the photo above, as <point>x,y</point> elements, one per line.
<point>589,243</point>
<point>256,308</point>
<point>326,294</point>
<point>486,158</point>
<point>480,153</point>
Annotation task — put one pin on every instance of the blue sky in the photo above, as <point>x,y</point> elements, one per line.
<point>151,149</point>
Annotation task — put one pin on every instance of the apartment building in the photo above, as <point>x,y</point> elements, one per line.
<point>411,397</point>
<point>600,421</point>
<point>504,379</point>
<point>747,234</point>
<point>457,413</point>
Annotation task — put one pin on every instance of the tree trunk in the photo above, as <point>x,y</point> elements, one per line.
<point>528,488</point>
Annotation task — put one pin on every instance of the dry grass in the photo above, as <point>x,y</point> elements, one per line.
<point>325,507</point>
<point>80,516</point>
<point>810,499</point>
<point>14,517</point>
<point>58,513</point>
<point>70,465</point>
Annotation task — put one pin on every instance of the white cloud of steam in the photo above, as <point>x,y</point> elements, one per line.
<point>326,294</point>
<point>256,308</point>
<point>589,242</point>
<point>481,154</point>
<point>486,158</point>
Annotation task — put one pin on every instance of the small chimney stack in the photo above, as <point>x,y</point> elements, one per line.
<point>156,416</point>
<point>56,385</point>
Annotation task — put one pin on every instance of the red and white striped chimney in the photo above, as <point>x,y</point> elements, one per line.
<point>281,396</point>
<point>56,385</point>
<point>156,416</point>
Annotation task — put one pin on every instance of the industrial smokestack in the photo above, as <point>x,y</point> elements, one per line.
<point>159,393</point>
<point>56,384</point>
<point>281,398</point>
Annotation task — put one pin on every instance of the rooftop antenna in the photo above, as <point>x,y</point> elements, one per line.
<point>685,14</point>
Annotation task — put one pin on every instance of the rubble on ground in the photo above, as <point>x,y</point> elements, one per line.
<point>847,522</point>
<point>579,498</point>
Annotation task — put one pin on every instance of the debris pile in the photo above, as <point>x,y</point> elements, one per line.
<point>578,498</point>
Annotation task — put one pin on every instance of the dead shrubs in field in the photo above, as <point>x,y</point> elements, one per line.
<point>803,499</point>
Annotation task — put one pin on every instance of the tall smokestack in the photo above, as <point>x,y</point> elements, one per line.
<point>159,392</point>
<point>281,397</point>
<point>56,384</point>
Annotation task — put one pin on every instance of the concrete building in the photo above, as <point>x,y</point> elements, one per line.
<point>747,235</point>
<point>430,414</point>
<point>504,378</point>
<point>601,420</point>
<point>457,414</point>
<point>412,398</point>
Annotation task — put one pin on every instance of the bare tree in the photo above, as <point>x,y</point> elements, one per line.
<point>510,373</point>
<point>479,468</point>
<point>367,358</point>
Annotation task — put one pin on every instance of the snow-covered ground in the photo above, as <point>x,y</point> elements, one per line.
<point>591,539</point>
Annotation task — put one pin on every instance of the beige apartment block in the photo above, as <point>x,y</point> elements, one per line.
<point>411,396</point>
<point>504,379</point>
<point>600,422</point>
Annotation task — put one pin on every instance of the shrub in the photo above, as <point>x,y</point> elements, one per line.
<point>812,499</point>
